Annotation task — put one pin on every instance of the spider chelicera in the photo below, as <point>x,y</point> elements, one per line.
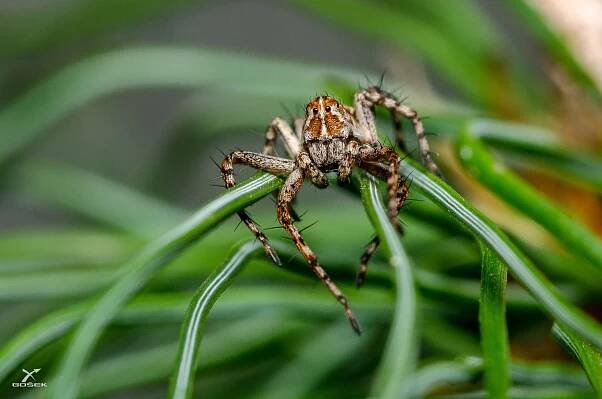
<point>332,137</point>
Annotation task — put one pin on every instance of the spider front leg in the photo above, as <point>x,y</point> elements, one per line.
<point>366,99</point>
<point>291,141</point>
<point>346,164</point>
<point>287,194</point>
<point>266,163</point>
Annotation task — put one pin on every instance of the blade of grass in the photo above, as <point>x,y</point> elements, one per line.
<point>401,349</point>
<point>540,149</point>
<point>589,357</point>
<point>142,267</point>
<point>85,192</point>
<point>161,308</point>
<point>220,347</point>
<point>32,113</point>
<point>519,265</point>
<point>509,187</point>
<point>441,373</point>
<point>402,29</point>
<point>44,29</point>
<point>554,44</point>
<point>182,381</point>
<point>318,357</point>
<point>492,319</point>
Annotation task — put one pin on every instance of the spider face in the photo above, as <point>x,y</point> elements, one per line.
<point>326,130</point>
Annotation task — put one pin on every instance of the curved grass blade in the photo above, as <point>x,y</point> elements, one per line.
<point>539,149</point>
<point>44,30</point>
<point>318,357</point>
<point>481,164</point>
<point>32,113</point>
<point>88,193</point>
<point>401,349</point>
<point>181,385</point>
<point>492,319</point>
<point>161,308</point>
<point>467,370</point>
<point>142,267</point>
<point>589,357</point>
<point>519,265</point>
<point>405,30</point>
<point>220,347</point>
<point>554,45</point>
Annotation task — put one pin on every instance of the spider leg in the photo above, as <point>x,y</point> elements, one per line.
<point>266,163</point>
<point>376,96</point>
<point>381,172</point>
<point>310,170</point>
<point>398,129</point>
<point>279,127</point>
<point>367,153</point>
<point>291,140</point>
<point>287,193</point>
<point>346,164</point>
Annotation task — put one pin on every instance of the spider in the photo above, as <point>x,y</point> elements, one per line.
<point>332,137</point>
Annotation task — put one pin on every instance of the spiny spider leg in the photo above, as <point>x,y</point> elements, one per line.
<point>292,144</point>
<point>398,129</point>
<point>380,171</point>
<point>287,194</point>
<point>279,127</point>
<point>367,153</point>
<point>376,96</point>
<point>266,163</point>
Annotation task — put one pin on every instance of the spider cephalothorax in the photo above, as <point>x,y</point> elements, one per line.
<point>327,128</point>
<point>331,137</point>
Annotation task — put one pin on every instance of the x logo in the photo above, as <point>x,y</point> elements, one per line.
<point>29,374</point>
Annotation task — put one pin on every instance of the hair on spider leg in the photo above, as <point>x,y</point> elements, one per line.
<point>381,80</point>
<point>290,115</point>
<point>238,225</point>
<point>308,226</point>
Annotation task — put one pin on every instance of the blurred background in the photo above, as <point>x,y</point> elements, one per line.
<point>111,114</point>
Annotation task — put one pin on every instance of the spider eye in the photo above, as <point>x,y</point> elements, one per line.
<point>328,108</point>
<point>315,111</point>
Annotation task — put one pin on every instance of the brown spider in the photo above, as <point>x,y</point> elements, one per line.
<point>331,137</point>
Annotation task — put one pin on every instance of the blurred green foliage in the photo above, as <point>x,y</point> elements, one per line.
<point>114,299</point>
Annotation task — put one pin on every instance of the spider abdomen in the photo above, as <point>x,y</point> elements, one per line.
<point>327,153</point>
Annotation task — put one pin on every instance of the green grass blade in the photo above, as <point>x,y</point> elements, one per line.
<point>142,267</point>
<point>554,44</point>
<point>589,357</point>
<point>32,113</point>
<point>88,193</point>
<point>465,370</point>
<point>405,30</point>
<point>509,187</point>
<point>318,357</point>
<point>492,319</point>
<point>519,265</point>
<point>401,349</point>
<point>44,29</point>
<point>441,373</point>
<point>539,149</point>
<point>182,382</point>
<point>156,364</point>
<point>161,308</point>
